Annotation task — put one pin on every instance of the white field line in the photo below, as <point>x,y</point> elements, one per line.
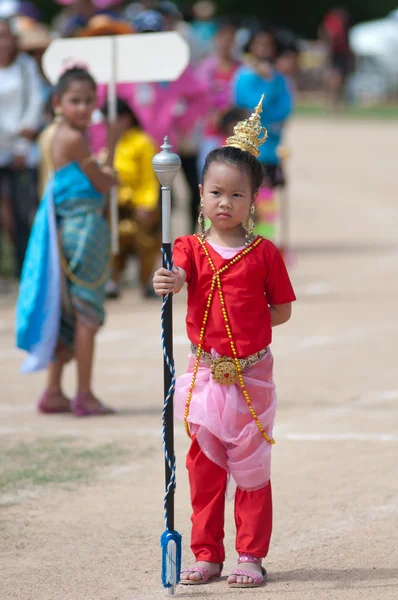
<point>17,409</point>
<point>120,470</point>
<point>370,399</point>
<point>306,343</point>
<point>116,388</point>
<point>21,495</point>
<point>60,431</point>
<point>390,395</point>
<point>320,288</point>
<point>116,335</point>
<point>323,288</point>
<point>154,432</point>
<point>331,437</point>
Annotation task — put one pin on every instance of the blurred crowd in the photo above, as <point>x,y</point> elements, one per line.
<point>232,63</point>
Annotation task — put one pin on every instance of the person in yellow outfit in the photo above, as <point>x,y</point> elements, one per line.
<point>138,200</point>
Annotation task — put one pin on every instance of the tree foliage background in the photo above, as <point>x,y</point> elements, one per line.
<point>301,17</point>
<point>305,16</point>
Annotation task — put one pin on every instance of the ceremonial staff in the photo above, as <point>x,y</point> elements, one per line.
<point>166,165</point>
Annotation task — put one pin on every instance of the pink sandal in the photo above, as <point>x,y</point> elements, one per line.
<point>203,572</point>
<point>64,404</point>
<point>80,409</point>
<point>258,579</point>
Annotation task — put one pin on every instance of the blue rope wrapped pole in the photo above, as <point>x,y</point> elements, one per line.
<point>170,540</point>
<point>166,165</point>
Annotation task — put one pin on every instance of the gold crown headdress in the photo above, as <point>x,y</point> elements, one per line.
<point>247,134</point>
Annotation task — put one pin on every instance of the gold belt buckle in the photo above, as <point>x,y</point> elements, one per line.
<point>224,371</point>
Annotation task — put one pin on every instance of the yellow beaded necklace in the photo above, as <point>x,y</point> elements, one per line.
<point>216,281</point>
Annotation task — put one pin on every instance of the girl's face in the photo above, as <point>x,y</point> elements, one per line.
<point>225,40</point>
<point>77,104</point>
<point>227,195</point>
<point>288,63</point>
<point>263,46</point>
<point>124,122</point>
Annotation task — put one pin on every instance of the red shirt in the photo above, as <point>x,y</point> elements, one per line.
<point>249,286</point>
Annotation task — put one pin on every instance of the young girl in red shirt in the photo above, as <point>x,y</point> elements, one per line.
<point>238,289</point>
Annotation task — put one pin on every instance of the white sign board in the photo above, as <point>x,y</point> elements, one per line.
<point>139,57</point>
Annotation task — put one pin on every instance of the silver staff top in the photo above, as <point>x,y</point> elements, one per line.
<point>166,164</point>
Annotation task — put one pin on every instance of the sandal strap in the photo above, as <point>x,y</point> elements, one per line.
<point>257,577</point>
<point>201,570</point>
<point>248,558</point>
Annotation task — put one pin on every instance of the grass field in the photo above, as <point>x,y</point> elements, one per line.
<point>26,466</point>
<point>382,112</point>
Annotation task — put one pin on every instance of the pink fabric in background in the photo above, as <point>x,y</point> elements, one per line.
<point>171,109</point>
<point>225,429</point>
<point>220,82</point>
<point>267,205</point>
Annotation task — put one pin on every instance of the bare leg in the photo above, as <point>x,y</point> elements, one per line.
<point>53,399</point>
<point>54,378</point>
<point>84,343</point>
<point>86,403</point>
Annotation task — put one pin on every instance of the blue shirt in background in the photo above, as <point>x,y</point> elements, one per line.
<point>248,87</point>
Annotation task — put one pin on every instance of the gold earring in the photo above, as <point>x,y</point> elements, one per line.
<point>249,225</point>
<point>201,221</point>
<point>58,115</point>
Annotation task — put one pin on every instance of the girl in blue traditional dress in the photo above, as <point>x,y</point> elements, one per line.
<point>61,297</point>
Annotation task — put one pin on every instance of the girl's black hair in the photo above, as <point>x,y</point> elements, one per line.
<point>71,75</point>
<point>122,108</point>
<point>287,41</point>
<point>238,158</point>
<point>265,28</point>
<point>228,22</point>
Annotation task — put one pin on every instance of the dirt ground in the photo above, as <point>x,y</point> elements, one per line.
<point>81,500</point>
